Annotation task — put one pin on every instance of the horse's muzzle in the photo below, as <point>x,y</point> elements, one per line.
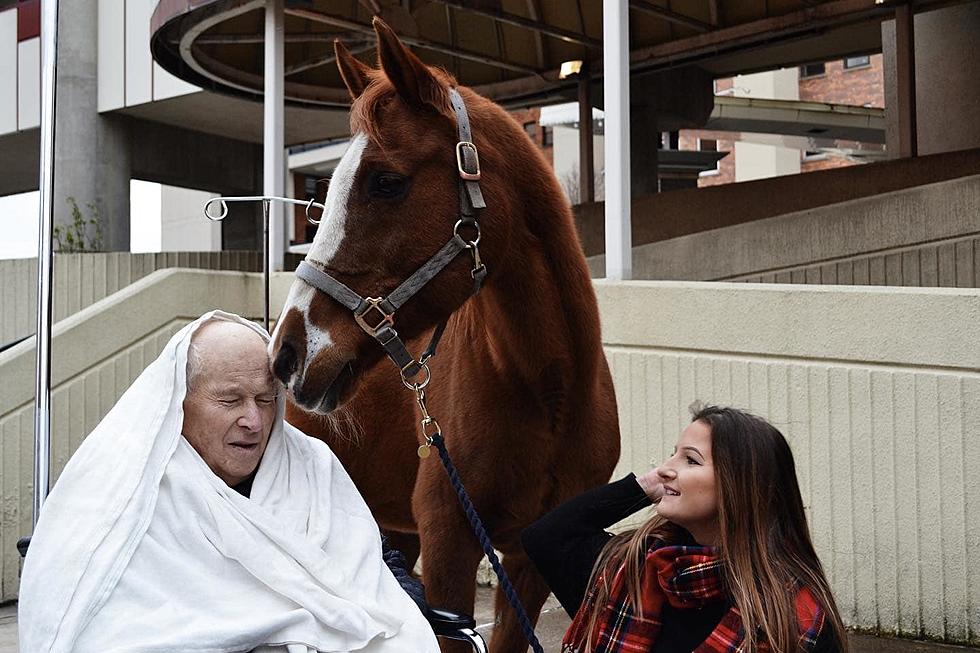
<point>323,401</point>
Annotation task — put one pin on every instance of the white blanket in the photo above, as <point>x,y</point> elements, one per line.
<point>140,547</point>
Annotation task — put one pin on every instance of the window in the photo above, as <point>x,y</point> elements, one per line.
<point>547,136</point>
<point>812,70</point>
<point>856,62</point>
<point>531,129</point>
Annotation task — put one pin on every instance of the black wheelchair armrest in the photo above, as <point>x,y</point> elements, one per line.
<point>446,624</point>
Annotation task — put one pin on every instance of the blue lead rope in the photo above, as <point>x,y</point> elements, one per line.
<point>481,533</point>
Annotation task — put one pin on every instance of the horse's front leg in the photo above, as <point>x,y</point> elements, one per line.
<point>450,552</point>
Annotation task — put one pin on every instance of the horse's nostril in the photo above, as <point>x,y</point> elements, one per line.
<point>285,363</point>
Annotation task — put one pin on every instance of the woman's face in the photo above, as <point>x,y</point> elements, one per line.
<point>690,498</point>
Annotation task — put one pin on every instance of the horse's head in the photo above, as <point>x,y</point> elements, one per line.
<point>392,203</point>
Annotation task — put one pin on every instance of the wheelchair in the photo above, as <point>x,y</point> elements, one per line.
<point>449,625</point>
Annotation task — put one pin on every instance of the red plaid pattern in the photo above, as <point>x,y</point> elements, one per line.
<point>687,577</point>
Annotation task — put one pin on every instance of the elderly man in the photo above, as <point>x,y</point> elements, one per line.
<point>194,518</point>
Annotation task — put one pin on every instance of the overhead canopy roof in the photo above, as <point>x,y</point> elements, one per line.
<point>509,50</point>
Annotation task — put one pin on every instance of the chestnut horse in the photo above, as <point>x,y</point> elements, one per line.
<point>520,385</point>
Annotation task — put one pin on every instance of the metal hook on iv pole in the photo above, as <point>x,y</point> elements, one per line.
<point>265,199</point>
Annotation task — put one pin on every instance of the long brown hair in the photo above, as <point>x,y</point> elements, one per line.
<point>765,542</point>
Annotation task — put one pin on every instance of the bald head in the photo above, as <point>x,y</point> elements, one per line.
<point>222,340</point>
<point>230,405</point>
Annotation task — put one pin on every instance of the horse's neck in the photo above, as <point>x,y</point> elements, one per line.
<point>537,313</point>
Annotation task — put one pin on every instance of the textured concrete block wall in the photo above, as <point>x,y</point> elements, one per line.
<point>923,236</point>
<point>82,279</point>
<point>884,425</point>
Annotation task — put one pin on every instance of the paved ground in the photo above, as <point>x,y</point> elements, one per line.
<point>8,629</point>
<point>551,627</point>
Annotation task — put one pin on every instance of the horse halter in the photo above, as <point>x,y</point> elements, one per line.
<point>376,315</point>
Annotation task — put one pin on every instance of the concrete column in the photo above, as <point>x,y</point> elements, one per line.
<point>274,154</point>
<point>947,88</point>
<point>91,151</point>
<point>586,182</point>
<point>616,82</point>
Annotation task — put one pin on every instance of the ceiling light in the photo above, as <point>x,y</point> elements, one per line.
<point>570,68</point>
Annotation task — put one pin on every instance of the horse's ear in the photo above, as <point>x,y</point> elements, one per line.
<point>354,73</point>
<point>411,78</point>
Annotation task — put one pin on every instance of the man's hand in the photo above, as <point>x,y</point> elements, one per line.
<point>652,485</point>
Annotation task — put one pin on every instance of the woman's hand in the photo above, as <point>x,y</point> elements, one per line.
<point>652,485</point>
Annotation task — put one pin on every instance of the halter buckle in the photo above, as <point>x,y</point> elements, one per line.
<point>373,303</point>
<point>460,161</point>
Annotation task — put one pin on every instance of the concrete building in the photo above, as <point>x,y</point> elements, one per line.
<point>121,116</point>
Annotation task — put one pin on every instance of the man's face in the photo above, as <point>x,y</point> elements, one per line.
<point>231,403</point>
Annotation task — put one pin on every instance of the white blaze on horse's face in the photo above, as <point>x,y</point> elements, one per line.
<point>326,243</point>
<point>330,233</point>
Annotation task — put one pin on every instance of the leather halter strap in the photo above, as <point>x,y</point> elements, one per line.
<point>382,328</point>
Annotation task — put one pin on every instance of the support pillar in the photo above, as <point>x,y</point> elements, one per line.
<point>586,183</point>
<point>92,152</point>
<point>905,81</point>
<point>616,81</point>
<point>273,152</point>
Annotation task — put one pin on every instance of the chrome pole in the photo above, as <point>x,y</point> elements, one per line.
<point>265,262</point>
<point>42,400</point>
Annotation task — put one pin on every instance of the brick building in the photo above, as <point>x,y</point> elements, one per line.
<point>854,81</point>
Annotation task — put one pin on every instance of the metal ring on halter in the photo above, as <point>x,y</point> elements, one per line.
<point>418,386</point>
<point>475,225</point>
<point>224,209</point>
<point>309,205</point>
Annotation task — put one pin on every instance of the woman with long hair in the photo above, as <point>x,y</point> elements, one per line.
<point>725,563</point>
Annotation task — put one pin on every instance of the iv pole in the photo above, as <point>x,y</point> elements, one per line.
<point>266,200</point>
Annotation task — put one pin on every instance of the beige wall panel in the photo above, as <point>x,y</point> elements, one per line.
<point>167,86</point>
<point>971,497</point>
<point>13,489</point>
<point>28,84</point>
<point>881,463</point>
<point>112,55</point>
<point>884,446</point>
<point>8,71</point>
<point>139,63</point>
<point>79,280</point>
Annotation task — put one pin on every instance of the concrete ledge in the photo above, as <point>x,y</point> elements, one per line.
<point>928,327</point>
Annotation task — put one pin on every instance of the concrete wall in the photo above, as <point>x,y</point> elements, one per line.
<point>923,236</point>
<point>83,279</point>
<point>877,390</point>
<point>684,212</point>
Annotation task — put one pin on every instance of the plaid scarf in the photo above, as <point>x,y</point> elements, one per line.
<point>686,577</point>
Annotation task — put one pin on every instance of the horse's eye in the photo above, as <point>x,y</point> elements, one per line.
<point>387,185</point>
